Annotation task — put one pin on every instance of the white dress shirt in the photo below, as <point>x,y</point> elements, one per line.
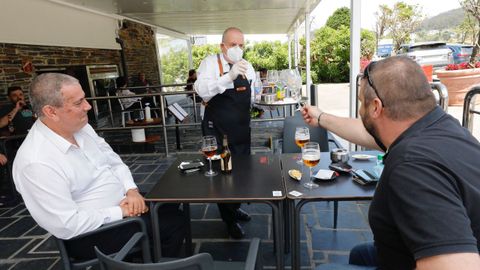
<point>69,189</point>
<point>209,82</point>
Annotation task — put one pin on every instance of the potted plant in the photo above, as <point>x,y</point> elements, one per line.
<point>459,78</point>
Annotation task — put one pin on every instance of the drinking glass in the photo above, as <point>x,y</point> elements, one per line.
<point>272,77</point>
<point>311,157</point>
<point>302,136</point>
<point>209,148</point>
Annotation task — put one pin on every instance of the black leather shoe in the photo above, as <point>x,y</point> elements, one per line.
<point>241,215</point>
<point>235,230</point>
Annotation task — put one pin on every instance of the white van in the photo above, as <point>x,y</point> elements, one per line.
<point>428,53</point>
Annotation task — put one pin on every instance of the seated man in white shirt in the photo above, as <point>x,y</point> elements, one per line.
<point>70,179</point>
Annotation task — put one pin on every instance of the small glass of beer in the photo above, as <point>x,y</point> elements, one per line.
<point>311,157</point>
<point>302,136</point>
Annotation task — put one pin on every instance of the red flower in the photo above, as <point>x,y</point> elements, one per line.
<point>464,65</point>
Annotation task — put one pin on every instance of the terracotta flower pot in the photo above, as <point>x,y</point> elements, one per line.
<point>458,82</point>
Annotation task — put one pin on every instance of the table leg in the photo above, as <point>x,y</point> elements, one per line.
<point>157,249</point>
<point>188,234</point>
<point>296,234</point>
<point>277,209</point>
<point>287,226</point>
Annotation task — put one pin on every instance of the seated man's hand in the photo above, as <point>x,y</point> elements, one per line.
<point>3,159</point>
<point>310,115</point>
<point>239,68</point>
<point>133,204</point>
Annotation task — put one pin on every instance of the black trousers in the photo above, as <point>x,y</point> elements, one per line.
<point>172,234</point>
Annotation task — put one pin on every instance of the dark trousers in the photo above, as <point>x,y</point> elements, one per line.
<point>172,233</point>
<point>228,210</point>
<point>364,255</point>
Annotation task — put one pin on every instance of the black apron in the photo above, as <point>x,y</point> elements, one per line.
<point>229,113</point>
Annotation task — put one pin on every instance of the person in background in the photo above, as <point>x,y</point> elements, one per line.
<point>16,117</point>
<point>424,214</point>
<point>142,81</point>
<point>136,104</point>
<point>225,83</point>
<point>71,180</point>
<point>192,77</point>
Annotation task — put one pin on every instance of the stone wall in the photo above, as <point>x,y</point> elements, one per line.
<point>14,56</point>
<point>140,51</point>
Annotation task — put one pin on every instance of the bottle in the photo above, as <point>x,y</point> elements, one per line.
<point>148,115</point>
<point>378,169</point>
<point>226,161</point>
<point>258,85</point>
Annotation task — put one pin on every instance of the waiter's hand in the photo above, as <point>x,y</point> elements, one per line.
<point>239,68</point>
<point>135,203</point>
<point>310,115</point>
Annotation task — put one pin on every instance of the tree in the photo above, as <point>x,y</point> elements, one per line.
<point>340,17</point>
<point>400,21</point>
<point>269,55</point>
<point>381,24</point>
<point>467,31</point>
<point>472,7</point>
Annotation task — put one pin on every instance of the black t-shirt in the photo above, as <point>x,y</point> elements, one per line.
<point>426,203</point>
<point>22,121</point>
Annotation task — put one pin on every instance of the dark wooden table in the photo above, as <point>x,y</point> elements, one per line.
<point>342,188</point>
<point>254,178</point>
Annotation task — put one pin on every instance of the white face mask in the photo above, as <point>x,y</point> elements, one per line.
<point>235,54</point>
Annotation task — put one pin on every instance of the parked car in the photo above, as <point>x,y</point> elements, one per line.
<point>428,53</point>
<point>384,50</point>
<point>461,52</point>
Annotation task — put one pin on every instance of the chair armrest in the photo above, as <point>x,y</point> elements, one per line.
<point>332,140</point>
<point>251,261</point>
<point>115,224</point>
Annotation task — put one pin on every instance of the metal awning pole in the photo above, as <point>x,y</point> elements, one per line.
<point>295,51</point>
<point>190,58</point>
<point>307,55</point>
<point>289,52</point>
<point>354,55</point>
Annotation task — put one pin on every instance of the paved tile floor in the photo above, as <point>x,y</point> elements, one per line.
<point>26,246</point>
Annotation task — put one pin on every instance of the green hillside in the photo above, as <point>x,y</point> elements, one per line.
<point>446,20</point>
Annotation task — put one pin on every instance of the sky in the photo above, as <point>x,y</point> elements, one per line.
<point>368,8</point>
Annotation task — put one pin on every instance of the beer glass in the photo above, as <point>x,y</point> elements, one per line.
<point>302,136</point>
<point>311,157</point>
<point>209,148</point>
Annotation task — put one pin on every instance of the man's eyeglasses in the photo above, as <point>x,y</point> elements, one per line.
<point>366,75</point>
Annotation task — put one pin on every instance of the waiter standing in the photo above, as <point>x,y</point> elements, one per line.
<point>224,82</point>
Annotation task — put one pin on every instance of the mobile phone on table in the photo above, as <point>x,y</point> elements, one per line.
<point>364,177</point>
<point>191,165</point>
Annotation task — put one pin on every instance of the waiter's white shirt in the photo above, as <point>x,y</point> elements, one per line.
<point>69,189</point>
<point>209,82</point>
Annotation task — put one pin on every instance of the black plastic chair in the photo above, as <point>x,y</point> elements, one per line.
<point>89,258</point>
<point>202,261</point>
<point>317,134</point>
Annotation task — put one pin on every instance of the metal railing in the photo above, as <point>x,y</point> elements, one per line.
<point>161,95</point>
<point>469,108</point>
<point>442,91</point>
